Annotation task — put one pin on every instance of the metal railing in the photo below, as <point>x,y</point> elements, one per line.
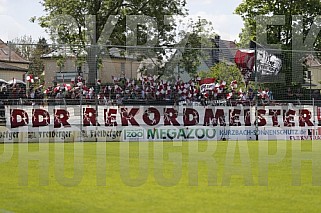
<point>156,102</point>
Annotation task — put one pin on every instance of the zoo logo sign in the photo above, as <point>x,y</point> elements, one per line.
<point>135,134</point>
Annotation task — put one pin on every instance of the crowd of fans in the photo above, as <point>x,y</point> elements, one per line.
<point>148,88</point>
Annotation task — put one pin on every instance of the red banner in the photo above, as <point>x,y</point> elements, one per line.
<point>207,81</point>
<point>245,60</point>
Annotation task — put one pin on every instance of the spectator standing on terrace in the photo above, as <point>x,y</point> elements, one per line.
<point>119,100</point>
<point>203,99</point>
<point>13,92</point>
<point>243,97</point>
<point>32,95</point>
<point>316,95</point>
<point>298,95</point>
<point>269,94</point>
<point>250,94</point>
<point>59,97</point>
<point>3,92</point>
<point>290,94</point>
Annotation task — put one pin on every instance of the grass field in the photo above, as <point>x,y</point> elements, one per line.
<point>87,193</point>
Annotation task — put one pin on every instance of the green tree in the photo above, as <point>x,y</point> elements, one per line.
<point>113,12</point>
<point>197,40</point>
<point>246,35</point>
<point>293,71</point>
<point>222,71</point>
<point>249,10</point>
<point>37,65</point>
<point>193,45</point>
<point>32,51</point>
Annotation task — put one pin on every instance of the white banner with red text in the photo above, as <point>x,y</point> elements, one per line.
<point>158,123</point>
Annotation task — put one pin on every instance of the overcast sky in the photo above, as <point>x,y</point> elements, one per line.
<point>15,15</point>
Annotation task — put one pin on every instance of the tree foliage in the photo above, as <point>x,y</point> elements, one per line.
<point>246,35</point>
<point>33,52</point>
<point>249,10</point>
<point>103,10</point>
<point>69,22</point>
<point>299,18</point>
<point>225,72</point>
<point>37,64</point>
<point>198,39</point>
<point>191,48</point>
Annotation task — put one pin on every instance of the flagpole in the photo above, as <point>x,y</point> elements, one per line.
<point>313,113</point>
<point>27,87</point>
<point>256,97</point>
<point>81,114</point>
<point>96,93</point>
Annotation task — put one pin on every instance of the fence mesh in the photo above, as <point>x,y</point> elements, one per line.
<point>114,75</point>
<point>106,77</point>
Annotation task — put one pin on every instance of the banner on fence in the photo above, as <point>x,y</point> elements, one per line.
<point>149,123</point>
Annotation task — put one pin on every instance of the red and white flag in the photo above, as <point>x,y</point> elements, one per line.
<point>229,95</point>
<point>67,87</point>
<point>234,84</point>
<point>29,78</point>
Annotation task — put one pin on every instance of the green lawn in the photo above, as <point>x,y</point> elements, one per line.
<point>127,190</point>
